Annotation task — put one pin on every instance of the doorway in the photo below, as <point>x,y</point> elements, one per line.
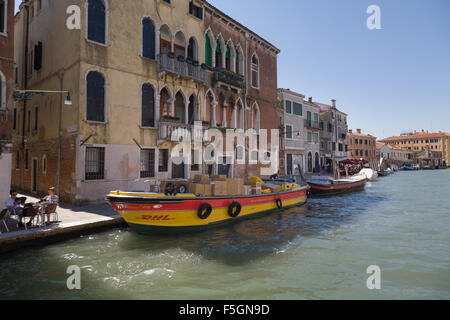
<point>289,164</point>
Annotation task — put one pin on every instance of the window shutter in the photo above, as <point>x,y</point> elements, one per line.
<point>190,7</point>
<point>208,51</point>
<point>200,12</point>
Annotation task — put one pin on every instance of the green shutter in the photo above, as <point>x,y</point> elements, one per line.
<point>208,51</point>
<point>218,46</point>
<point>237,56</point>
<point>298,109</point>
<point>228,54</point>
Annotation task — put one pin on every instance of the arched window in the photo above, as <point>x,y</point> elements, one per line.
<point>218,54</point>
<point>310,162</point>
<point>148,105</point>
<point>97,21</point>
<point>228,58</point>
<point>255,71</point>
<point>238,67</point>
<point>192,49</point>
<point>95,93</point>
<point>208,57</point>
<point>180,107</point>
<point>148,38</point>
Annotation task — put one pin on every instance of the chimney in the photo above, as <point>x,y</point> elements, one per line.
<point>333,103</point>
<point>350,131</point>
<point>310,99</point>
<point>358,130</point>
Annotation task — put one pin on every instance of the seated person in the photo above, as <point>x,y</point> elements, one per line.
<point>21,212</point>
<point>51,198</point>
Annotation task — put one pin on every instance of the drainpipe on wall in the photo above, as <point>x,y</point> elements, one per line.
<point>25,78</point>
<point>58,163</point>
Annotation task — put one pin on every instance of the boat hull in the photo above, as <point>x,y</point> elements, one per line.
<point>333,189</point>
<point>167,214</point>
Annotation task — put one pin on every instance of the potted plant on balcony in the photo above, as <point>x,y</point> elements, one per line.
<point>181,59</point>
<point>189,60</point>
<point>171,55</point>
<point>206,67</point>
<point>195,63</point>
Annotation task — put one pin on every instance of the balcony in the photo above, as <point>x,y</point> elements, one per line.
<point>312,124</point>
<point>181,67</point>
<point>227,77</point>
<point>168,131</point>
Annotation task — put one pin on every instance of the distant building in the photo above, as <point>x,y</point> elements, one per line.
<point>394,155</point>
<point>420,141</point>
<point>8,113</point>
<point>302,133</point>
<point>362,146</point>
<point>333,133</point>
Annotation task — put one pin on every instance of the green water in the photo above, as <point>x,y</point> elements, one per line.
<point>319,251</point>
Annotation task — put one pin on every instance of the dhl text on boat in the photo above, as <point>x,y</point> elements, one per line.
<point>148,212</point>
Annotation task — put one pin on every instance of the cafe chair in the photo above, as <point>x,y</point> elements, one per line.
<point>51,208</point>
<point>3,215</point>
<point>32,212</point>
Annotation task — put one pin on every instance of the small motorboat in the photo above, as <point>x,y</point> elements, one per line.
<point>372,175</point>
<point>324,186</point>
<point>409,167</point>
<point>148,212</point>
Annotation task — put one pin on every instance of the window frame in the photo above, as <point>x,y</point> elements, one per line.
<point>145,176</point>
<point>291,132</point>
<point>258,72</point>
<point>5,20</point>
<point>101,175</point>
<point>164,169</point>
<point>105,107</point>
<point>106,4</point>
<point>154,38</point>
<point>142,106</point>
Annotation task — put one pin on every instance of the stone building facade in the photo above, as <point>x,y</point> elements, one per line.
<point>243,92</point>
<point>7,111</point>
<point>333,133</point>
<point>362,146</point>
<point>136,72</point>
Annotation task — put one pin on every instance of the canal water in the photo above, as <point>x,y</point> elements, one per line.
<point>322,250</point>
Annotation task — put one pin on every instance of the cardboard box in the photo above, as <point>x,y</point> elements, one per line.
<point>256,188</point>
<point>231,187</point>
<point>201,178</point>
<point>196,188</point>
<point>220,177</point>
<point>219,188</point>
<point>208,190</point>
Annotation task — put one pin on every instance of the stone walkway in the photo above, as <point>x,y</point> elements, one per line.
<point>73,220</point>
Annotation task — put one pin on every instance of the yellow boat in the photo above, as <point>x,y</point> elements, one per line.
<point>148,212</point>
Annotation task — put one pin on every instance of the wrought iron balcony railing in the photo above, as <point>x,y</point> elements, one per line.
<point>228,77</point>
<point>312,124</point>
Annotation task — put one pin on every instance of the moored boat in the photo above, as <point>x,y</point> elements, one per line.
<point>148,212</point>
<point>330,186</point>
<point>372,175</point>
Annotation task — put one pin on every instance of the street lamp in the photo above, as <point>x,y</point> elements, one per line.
<point>20,95</point>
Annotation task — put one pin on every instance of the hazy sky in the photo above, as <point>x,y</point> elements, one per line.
<point>390,80</point>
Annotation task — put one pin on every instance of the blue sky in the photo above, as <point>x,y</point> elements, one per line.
<point>390,80</point>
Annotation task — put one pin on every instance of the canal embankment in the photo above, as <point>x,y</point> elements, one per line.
<point>73,221</point>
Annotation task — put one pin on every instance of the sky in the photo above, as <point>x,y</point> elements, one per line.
<point>389,81</point>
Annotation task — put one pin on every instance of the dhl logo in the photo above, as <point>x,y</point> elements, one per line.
<point>156,218</point>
